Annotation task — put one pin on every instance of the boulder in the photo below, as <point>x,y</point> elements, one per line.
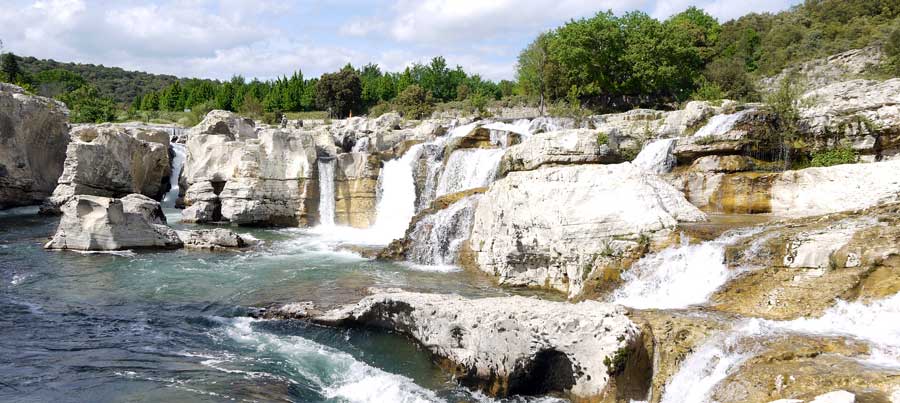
<point>112,160</point>
<point>102,223</point>
<point>567,147</point>
<point>212,239</point>
<point>267,180</point>
<point>226,124</point>
<point>505,346</point>
<point>545,228</point>
<point>356,189</point>
<point>33,138</point>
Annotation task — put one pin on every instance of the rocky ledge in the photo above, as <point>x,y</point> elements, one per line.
<point>590,351</point>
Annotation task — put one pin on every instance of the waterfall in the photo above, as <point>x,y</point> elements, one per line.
<point>679,276</point>
<point>721,124</point>
<point>468,169</point>
<point>460,131</point>
<point>875,322</point>
<point>436,238</point>
<point>657,157</point>
<point>397,195</point>
<point>326,192</point>
<point>171,196</point>
<point>434,161</point>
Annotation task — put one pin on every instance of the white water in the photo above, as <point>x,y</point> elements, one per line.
<point>678,276</point>
<point>720,124</point>
<point>657,157</point>
<point>397,195</point>
<point>336,374</point>
<point>875,322</point>
<point>469,169</point>
<point>326,192</point>
<point>434,162</point>
<point>460,131</point>
<point>436,239</point>
<point>500,130</point>
<point>177,164</point>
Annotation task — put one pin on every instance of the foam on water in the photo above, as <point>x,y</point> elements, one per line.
<point>657,156</point>
<point>335,374</point>
<point>437,238</point>
<point>469,169</point>
<point>397,198</point>
<point>177,164</point>
<point>678,276</point>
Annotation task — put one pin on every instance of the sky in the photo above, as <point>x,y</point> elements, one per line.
<point>267,38</point>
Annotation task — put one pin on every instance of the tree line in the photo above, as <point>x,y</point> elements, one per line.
<point>610,62</point>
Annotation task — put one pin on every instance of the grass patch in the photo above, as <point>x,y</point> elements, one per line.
<point>319,115</point>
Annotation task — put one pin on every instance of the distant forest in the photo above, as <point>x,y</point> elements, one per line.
<point>603,63</point>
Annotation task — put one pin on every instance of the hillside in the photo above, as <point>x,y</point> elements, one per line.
<point>113,82</point>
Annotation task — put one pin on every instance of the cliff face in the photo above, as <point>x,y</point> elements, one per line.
<point>33,138</point>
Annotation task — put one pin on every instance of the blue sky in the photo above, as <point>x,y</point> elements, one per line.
<point>266,38</point>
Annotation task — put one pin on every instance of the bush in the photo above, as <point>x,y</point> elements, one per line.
<point>707,91</point>
<point>836,156</point>
<point>414,103</point>
<point>380,109</point>
<point>602,138</point>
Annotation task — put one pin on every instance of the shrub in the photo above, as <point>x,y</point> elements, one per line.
<point>380,109</point>
<point>414,102</point>
<point>602,138</point>
<point>707,91</point>
<point>835,156</point>
<point>616,364</point>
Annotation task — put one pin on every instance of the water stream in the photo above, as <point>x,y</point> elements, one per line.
<point>180,151</point>
<point>326,191</point>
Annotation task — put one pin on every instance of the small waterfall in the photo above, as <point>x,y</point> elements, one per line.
<point>397,195</point>
<point>721,124</point>
<point>436,238</point>
<point>657,157</point>
<point>468,169</point>
<point>679,276</point>
<point>460,131</point>
<point>326,192</point>
<point>171,196</point>
<point>875,322</point>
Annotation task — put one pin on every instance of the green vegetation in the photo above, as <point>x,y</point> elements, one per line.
<point>618,62</point>
<point>602,138</point>
<point>615,365</point>
<point>836,156</point>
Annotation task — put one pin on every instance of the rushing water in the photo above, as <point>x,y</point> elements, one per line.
<point>171,196</point>
<point>679,276</point>
<point>721,124</point>
<point>437,238</point>
<point>468,169</point>
<point>172,326</point>
<point>326,192</point>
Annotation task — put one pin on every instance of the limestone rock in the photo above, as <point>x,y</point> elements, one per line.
<point>101,223</point>
<point>356,188</point>
<point>514,345</point>
<point>112,160</point>
<point>864,114</point>
<point>33,138</point>
<point>822,72</point>
<point>267,180</point>
<point>566,147</point>
<point>225,123</point>
<point>545,228</point>
<point>657,157</point>
<point>216,238</point>
<point>731,133</point>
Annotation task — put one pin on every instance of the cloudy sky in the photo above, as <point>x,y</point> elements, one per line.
<point>267,38</point>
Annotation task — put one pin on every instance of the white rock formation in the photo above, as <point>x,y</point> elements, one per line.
<point>865,113</point>
<point>33,138</point>
<point>545,227</point>
<point>657,157</point>
<point>225,123</point>
<point>816,191</point>
<point>215,238</point>
<point>516,345</point>
<point>101,223</point>
<point>564,147</point>
<point>265,180</point>
<point>113,160</point>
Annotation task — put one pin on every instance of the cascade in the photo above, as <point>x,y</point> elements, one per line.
<point>721,124</point>
<point>657,157</point>
<point>468,169</point>
<point>397,195</point>
<point>434,161</point>
<point>177,164</point>
<point>326,191</point>
<point>679,276</point>
<point>436,238</point>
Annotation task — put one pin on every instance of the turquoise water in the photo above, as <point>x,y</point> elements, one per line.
<point>173,326</point>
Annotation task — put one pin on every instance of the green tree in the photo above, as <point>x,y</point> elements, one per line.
<point>87,106</point>
<point>55,82</point>
<point>9,65</point>
<point>533,69</point>
<point>414,102</point>
<point>340,93</point>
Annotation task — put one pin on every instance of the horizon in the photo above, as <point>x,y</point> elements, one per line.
<point>218,39</point>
